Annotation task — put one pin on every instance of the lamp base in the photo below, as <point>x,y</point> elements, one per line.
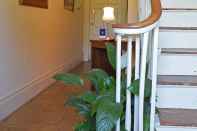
<point>109,38</point>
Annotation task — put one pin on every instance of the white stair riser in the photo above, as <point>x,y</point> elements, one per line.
<point>168,128</point>
<point>177,39</point>
<point>179,3</point>
<point>179,19</point>
<point>174,96</point>
<point>177,64</point>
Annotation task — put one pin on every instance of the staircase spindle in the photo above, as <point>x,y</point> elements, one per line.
<point>154,77</point>
<point>118,75</point>
<point>128,93</point>
<point>142,79</point>
<point>137,76</point>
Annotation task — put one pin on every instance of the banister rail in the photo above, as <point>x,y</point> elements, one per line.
<point>152,19</point>
<point>144,33</point>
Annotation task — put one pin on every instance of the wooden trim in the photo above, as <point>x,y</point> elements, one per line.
<point>177,80</point>
<point>180,9</point>
<point>153,18</point>
<point>183,51</point>
<point>178,28</point>
<point>178,117</point>
<point>102,40</point>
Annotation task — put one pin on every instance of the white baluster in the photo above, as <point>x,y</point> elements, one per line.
<point>154,77</point>
<point>128,93</point>
<point>118,75</point>
<point>142,79</point>
<point>137,75</point>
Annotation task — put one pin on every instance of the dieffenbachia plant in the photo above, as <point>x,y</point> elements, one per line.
<point>98,108</point>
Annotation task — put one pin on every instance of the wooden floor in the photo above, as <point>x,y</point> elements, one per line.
<point>46,112</point>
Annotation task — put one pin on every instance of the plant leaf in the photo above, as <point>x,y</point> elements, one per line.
<point>70,79</point>
<point>84,126</point>
<point>80,105</point>
<point>110,82</point>
<point>107,86</point>
<point>146,121</point>
<point>107,115</point>
<point>134,88</point>
<point>111,55</point>
<point>88,97</point>
<point>148,88</point>
<point>97,77</point>
<point>108,97</point>
<point>104,122</point>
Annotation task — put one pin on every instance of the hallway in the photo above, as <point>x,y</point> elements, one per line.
<point>46,112</point>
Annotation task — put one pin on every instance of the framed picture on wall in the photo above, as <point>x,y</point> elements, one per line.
<point>69,5</point>
<point>35,3</point>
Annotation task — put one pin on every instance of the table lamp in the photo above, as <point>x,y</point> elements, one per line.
<point>108,16</point>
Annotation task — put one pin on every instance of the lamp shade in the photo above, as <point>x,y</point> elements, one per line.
<point>108,14</point>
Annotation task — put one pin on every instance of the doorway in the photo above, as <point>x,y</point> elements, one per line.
<point>94,16</point>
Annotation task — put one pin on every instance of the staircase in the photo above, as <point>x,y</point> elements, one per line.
<point>177,67</point>
<point>173,38</point>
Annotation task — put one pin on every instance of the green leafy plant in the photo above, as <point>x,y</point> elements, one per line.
<point>99,109</point>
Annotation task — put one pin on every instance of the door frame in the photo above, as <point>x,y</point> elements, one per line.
<point>86,30</point>
<point>86,27</point>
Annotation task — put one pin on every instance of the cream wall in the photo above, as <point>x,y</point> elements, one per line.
<point>132,11</point>
<point>35,44</point>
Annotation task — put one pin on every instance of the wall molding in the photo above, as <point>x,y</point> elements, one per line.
<point>14,101</point>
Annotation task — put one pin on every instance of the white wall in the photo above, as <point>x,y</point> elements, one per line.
<point>34,44</point>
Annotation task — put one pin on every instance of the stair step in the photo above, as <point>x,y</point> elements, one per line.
<point>177,80</point>
<point>178,117</point>
<point>177,96</point>
<point>173,37</point>
<point>179,3</point>
<point>177,64</point>
<point>179,18</point>
<point>178,51</point>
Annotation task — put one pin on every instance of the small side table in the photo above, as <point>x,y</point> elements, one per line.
<point>99,55</point>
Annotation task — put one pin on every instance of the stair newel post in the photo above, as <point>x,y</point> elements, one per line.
<point>118,75</point>
<point>128,93</point>
<point>154,77</point>
<point>137,75</point>
<point>142,79</point>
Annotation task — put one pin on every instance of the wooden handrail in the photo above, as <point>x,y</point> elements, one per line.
<point>153,18</point>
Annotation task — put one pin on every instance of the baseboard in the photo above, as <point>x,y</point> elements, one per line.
<point>11,103</point>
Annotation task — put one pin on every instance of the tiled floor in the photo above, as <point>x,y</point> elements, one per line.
<point>46,112</point>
